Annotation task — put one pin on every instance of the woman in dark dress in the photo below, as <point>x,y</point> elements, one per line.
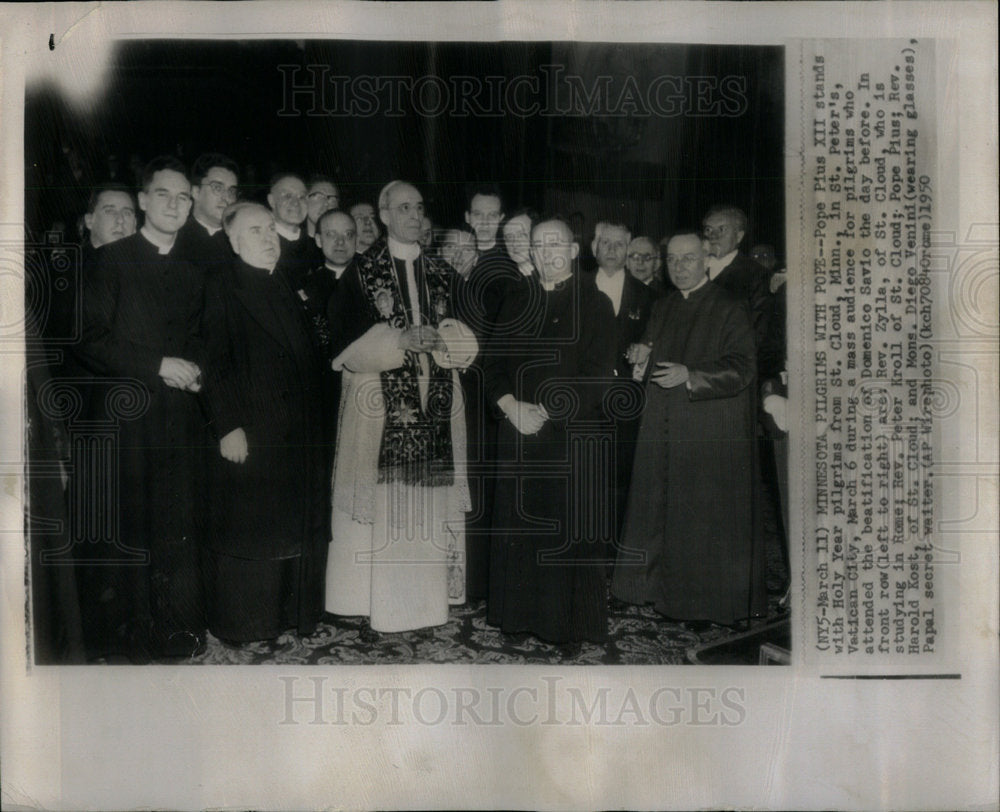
<point>267,551</point>
<point>547,383</point>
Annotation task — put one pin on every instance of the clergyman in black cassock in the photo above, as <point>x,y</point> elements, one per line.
<point>547,575</point>
<point>691,510</point>
<point>299,253</point>
<point>142,309</point>
<point>201,240</point>
<point>478,299</point>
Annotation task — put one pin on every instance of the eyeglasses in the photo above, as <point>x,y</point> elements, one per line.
<point>636,257</point>
<point>227,192</point>
<point>687,259</point>
<point>321,195</point>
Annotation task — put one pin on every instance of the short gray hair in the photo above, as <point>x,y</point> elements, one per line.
<point>734,213</point>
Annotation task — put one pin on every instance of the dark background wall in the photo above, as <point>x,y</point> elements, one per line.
<point>715,133</point>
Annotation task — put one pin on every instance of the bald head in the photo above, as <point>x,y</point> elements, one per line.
<point>553,249</point>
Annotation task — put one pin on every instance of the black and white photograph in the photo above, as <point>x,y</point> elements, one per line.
<point>252,403</point>
<point>503,404</point>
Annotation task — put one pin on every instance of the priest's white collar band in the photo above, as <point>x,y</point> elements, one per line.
<point>212,230</point>
<point>701,284</point>
<point>290,233</point>
<point>163,244</point>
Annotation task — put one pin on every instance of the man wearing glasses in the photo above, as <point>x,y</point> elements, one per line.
<point>547,377</point>
<point>322,196</point>
<point>643,262</point>
<point>288,200</point>
<point>201,241</point>
<point>723,228</point>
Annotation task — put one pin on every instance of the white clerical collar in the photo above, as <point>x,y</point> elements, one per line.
<point>212,230</point>
<point>485,248</point>
<point>338,270</point>
<point>550,286</point>
<point>163,244</point>
<point>701,284</point>
<point>717,265</point>
<point>290,233</point>
<point>404,250</point>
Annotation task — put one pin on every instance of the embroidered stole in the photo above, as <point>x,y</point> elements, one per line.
<point>416,446</point>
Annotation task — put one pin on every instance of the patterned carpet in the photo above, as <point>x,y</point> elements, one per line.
<point>637,636</point>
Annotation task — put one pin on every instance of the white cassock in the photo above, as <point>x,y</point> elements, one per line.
<point>398,551</point>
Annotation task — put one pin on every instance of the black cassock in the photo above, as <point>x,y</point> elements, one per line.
<point>691,509</point>
<point>270,513</point>
<point>298,257</point>
<point>210,252</point>
<point>546,567</point>
<point>140,306</point>
<point>477,304</point>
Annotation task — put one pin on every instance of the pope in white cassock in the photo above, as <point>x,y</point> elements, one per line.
<point>399,486</point>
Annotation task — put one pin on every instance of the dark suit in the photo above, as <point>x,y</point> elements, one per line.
<point>748,280</point>
<point>630,322</point>
<point>625,397</point>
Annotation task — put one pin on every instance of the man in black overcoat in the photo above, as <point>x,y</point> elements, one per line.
<point>267,549</point>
